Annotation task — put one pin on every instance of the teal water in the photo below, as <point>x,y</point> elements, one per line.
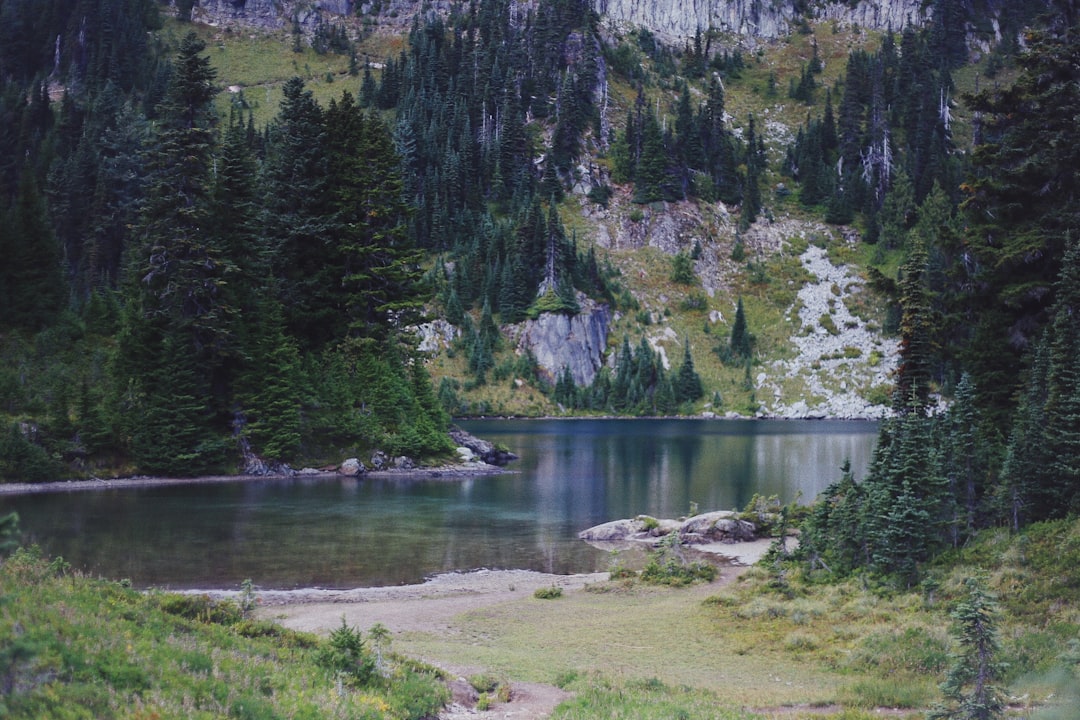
<point>346,532</point>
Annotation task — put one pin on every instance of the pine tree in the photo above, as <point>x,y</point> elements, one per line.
<point>969,686</point>
<point>306,261</point>
<point>180,270</point>
<point>687,386</point>
<point>914,373</point>
<point>380,274</point>
<point>1022,204</point>
<point>741,339</point>
<point>175,323</point>
<point>31,283</point>
<point>651,181</point>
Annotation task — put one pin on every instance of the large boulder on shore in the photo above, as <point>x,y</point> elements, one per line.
<point>614,531</point>
<point>720,526</point>
<point>481,449</point>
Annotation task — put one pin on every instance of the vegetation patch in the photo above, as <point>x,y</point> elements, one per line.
<point>72,642</point>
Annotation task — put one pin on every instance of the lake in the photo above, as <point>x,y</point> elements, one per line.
<point>349,532</point>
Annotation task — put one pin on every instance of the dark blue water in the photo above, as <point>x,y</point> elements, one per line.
<point>341,532</point>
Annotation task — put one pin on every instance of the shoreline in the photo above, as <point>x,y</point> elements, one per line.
<point>442,472</point>
<point>469,583</point>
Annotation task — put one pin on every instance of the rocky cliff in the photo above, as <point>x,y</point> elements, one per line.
<point>754,18</point>
<point>560,341</point>
<point>672,19</point>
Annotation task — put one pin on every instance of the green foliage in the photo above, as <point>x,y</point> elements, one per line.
<point>651,699</point>
<point>9,533</point>
<point>22,460</point>
<point>73,647</point>
<point>668,565</point>
<point>346,655</point>
<point>682,269</point>
<point>549,593</point>
<point>740,347</point>
<point>969,686</point>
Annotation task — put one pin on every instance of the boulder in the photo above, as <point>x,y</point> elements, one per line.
<point>352,466</point>
<point>379,460</point>
<point>719,526</point>
<point>481,449</point>
<point>614,531</point>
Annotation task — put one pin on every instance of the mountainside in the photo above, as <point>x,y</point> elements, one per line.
<point>672,20</point>
<point>228,231</point>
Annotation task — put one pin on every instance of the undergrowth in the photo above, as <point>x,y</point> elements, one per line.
<point>75,647</point>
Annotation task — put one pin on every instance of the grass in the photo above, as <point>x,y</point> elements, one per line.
<point>75,647</point>
<point>845,648</point>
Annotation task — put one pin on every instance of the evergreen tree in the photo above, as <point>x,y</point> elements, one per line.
<point>651,181</point>
<point>914,373</point>
<point>741,339</point>
<point>1062,478</point>
<point>834,533</point>
<point>380,273</point>
<point>176,324</point>
<point>306,260</point>
<point>687,385</point>
<point>1022,203</point>
<point>31,283</point>
<point>969,687</point>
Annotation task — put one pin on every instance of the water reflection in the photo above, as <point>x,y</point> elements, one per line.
<point>344,532</point>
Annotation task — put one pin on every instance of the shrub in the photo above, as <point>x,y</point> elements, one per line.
<point>826,321</point>
<point>548,593</point>
<point>668,566</point>
<point>346,655</point>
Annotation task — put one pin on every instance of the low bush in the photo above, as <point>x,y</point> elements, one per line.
<point>668,566</point>
<point>548,593</point>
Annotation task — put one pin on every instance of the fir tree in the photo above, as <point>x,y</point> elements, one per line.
<point>969,687</point>
<point>687,385</point>
<point>741,339</point>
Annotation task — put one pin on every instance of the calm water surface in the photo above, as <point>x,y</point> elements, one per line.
<point>344,532</point>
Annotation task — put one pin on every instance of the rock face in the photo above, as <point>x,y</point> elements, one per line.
<point>670,19</point>
<point>560,341</point>
<point>352,466</point>
<point>752,18</point>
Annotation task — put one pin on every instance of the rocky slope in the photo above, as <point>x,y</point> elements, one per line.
<point>751,18</point>
<point>671,19</point>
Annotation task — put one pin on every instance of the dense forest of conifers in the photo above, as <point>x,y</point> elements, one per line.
<point>185,293</point>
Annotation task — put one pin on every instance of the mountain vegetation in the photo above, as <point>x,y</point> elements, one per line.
<point>195,281</point>
<point>190,290</point>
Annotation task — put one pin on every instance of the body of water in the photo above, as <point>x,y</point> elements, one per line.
<point>350,532</point>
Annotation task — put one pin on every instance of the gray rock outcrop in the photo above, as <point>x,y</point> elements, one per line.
<point>559,341</point>
<point>675,19</point>
<point>720,526</point>
<point>672,20</point>
<point>352,466</point>
<point>479,449</point>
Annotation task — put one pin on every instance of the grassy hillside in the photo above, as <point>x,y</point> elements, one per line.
<point>77,647</point>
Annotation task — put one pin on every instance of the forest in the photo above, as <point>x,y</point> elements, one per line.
<point>187,290</point>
